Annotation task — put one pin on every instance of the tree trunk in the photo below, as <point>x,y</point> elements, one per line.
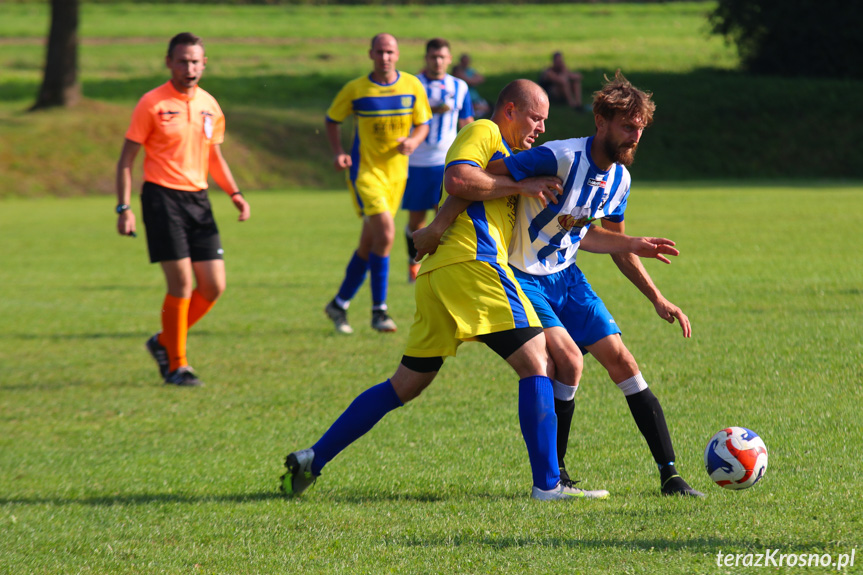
<point>60,85</point>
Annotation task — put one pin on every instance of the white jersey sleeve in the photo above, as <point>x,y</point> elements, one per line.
<point>545,240</point>
<point>443,128</point>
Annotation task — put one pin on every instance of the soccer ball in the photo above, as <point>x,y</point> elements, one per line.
<point>735,458</point>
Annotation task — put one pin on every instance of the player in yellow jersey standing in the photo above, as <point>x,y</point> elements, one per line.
<point>467,292</point>
<point>181,128</point>
<point>391,114</point>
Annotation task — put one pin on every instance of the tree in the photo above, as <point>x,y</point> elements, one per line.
<point>794,37</point>
<point>60,85</point>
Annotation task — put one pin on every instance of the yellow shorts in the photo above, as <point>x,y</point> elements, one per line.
<point>375,193</point>
<point>461,301</point>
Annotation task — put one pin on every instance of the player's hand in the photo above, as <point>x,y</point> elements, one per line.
<point>668,311</point>
<point>126,223</point>
<point>426,241</point>
<point>242,206</point>
<point>406,146</point>
<point>544,188</point>
<point>656,248</point>
<point>440,109</point>
<point>342,162</point>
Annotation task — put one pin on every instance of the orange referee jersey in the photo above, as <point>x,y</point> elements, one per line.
<point>177,131</point>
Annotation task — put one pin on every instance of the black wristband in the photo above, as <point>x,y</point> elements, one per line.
<point>122,208</point>
<point>238,192</point>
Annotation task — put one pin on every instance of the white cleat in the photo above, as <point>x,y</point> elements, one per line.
<point>562,491</point>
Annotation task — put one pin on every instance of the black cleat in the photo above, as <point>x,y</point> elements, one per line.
<point>381,321</point>
<point>299,476</point>
<point>675,485</point>
<point>339,317</point>
<point>183,377</point>
<point>159,353</point>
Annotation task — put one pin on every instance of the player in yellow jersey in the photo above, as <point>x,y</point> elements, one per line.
<point>391,114</point>
<point>467,292</point>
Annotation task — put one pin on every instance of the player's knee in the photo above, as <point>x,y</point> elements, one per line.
<point>211,291</point>
<point>413,375</point>
<point>567,368</point>
<point>623,365</point>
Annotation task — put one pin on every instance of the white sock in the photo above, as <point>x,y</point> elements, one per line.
<point>633,385</point>
<point>564,392</point>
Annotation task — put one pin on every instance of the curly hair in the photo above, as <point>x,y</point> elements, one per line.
<point>619,95</point>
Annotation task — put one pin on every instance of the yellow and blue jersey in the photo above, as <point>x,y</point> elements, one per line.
<point>483,231</point>
<point>383,113</point>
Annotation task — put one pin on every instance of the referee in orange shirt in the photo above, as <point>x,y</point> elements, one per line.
<point>181,128</point>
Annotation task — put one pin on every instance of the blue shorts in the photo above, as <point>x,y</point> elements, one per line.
<point>423,189</point>
<point>566,300</point>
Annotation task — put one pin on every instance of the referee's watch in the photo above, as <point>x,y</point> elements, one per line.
<point>122,208</point>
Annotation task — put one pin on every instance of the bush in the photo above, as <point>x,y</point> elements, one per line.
<point>794,37</point>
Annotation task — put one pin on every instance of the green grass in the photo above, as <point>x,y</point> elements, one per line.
<point>104,470</point>
<point>275,69</point>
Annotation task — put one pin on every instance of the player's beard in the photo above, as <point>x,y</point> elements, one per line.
<point>620,154</point>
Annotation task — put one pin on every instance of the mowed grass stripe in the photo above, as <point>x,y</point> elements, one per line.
<point>103,469</point>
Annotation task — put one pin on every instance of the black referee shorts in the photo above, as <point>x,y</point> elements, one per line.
<point>179,225</point>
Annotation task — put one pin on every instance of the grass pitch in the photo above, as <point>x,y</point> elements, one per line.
<point>105,470</point>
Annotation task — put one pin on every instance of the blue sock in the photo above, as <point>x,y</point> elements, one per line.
<point>380,268</point>
<point>355,274</point>
<point>539,429</point>
<point>361,415</point>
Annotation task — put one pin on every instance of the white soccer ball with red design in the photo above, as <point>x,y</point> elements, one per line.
<point>735,458</point>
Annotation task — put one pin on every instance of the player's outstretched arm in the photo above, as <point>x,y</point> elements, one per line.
<point>602,241</point>
<point>631,267</point>
<point>225,179</point>
<point>427,239</point>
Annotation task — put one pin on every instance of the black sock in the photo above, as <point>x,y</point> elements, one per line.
<point>650,420</point>
<point>666,472</point>
<point>412,250</point>
<point>563,409</point>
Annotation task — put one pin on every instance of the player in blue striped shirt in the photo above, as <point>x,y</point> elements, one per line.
<point>451,110</point>
<point>542,253</point>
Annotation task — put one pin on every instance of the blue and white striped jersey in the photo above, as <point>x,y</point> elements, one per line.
<point>443,127</point>
<point>545,240</point>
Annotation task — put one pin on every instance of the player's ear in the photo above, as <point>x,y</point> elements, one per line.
<point>509,110</point>
<point>600,121</point>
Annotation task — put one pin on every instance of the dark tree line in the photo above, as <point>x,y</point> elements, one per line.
<point>786,37</point>
<point>795,37</point>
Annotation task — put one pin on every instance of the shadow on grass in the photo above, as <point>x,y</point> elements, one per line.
<point>194,499</point>
<point>75,336</point>
<point>143,499</point>
<point>709,124</point>
<point>707,545</point>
